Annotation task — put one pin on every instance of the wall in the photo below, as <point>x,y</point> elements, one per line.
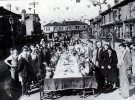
<point>29,26</point>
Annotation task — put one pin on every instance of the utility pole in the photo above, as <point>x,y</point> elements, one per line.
<point>34,6</point>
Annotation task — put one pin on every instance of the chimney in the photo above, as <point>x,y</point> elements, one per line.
<point>117,1</point>
<point>23,15</point>
<point>100,11</point>
<point>8,7</point>
<point>109,6</point>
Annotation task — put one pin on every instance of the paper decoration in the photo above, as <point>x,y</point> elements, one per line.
<point>77,1</point>
<point>29,9</point>
<point>67,8</point>
<point>17,8</point>
<point>88,6</point>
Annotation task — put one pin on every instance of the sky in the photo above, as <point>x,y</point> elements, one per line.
<point>57,10</point>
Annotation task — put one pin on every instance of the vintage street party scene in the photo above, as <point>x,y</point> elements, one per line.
<point>67,49</point>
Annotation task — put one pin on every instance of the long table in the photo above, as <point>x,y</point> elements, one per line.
<point>67,67</point>
<point>68,76</point>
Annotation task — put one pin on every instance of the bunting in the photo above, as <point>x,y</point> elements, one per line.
<point>78,1</point>
<point>67,8</point>
<point>17,8</point>
<point>29,9</point>
<point>88,6</point>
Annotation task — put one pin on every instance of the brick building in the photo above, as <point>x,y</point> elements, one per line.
<point>119,19</point>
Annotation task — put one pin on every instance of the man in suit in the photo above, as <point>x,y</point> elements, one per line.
<point>23,70</point>
<point>99,63</point>
<point>124,65</point>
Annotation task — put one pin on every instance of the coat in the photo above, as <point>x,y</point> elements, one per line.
<point>113,72</point>
<point>23,67</point>
<point>99,57</point>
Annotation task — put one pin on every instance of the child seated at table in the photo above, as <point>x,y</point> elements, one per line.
<point>84,66</point>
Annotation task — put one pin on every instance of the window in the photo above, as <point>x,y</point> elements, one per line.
<point>130,9</point>
<point>109,17</point>
<point>77,27</point>
<point>47,28</point>
<point>114,15</point>
<point>119,13</point>
<point>103,19</point>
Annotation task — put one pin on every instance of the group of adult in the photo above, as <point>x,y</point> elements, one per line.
<point>39,59</point>
<point>114,70</point>
<point>33,60</point>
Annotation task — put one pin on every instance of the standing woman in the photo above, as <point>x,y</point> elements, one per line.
<point>112,68</point>
<point>13,58</point>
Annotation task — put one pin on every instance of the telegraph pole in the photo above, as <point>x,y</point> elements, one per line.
<point>34,6</point>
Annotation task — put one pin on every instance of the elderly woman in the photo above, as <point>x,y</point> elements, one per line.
<point>112,68</point>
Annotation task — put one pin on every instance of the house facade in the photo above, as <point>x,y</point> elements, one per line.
<point>66,27</point>
<point>31,24</point>
<point>119,19</point>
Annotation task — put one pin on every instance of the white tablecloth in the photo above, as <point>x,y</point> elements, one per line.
<point>67,66</point>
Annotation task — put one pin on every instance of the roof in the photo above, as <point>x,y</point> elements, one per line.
<point>74,23</point>
<point>66,23</point>
<point>35,15</point>
<point>5,12</point>
<point>53,24</point>
<point>122,3</point>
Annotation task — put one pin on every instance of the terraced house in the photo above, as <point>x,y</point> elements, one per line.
<point>118,20</point>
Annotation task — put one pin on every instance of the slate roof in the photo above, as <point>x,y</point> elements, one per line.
<point>4,12</point>
<point>66,23</point>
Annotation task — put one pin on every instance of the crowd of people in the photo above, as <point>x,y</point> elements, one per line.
<point>110,71</point>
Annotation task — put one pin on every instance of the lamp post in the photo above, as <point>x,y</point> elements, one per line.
<point>11,21</point>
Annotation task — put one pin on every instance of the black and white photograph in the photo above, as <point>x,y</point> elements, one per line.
<point>67,49</point>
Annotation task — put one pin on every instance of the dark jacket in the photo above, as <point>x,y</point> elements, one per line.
<point>113,60</point>
<point>23,67</point>
<point>100,57</point>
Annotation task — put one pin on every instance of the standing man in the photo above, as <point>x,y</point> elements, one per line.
<point>23,70</point>
<point>99,63</point>
<point>125,65</point>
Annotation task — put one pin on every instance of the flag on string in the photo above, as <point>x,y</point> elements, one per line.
<point>78,1</point>
<point>54,9</point>
<point>67,8</point>
<point>88,6</point>
<point>17,8</point>
<point>104,2</point>
<point>94,3</point>
<point>29,9</point>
